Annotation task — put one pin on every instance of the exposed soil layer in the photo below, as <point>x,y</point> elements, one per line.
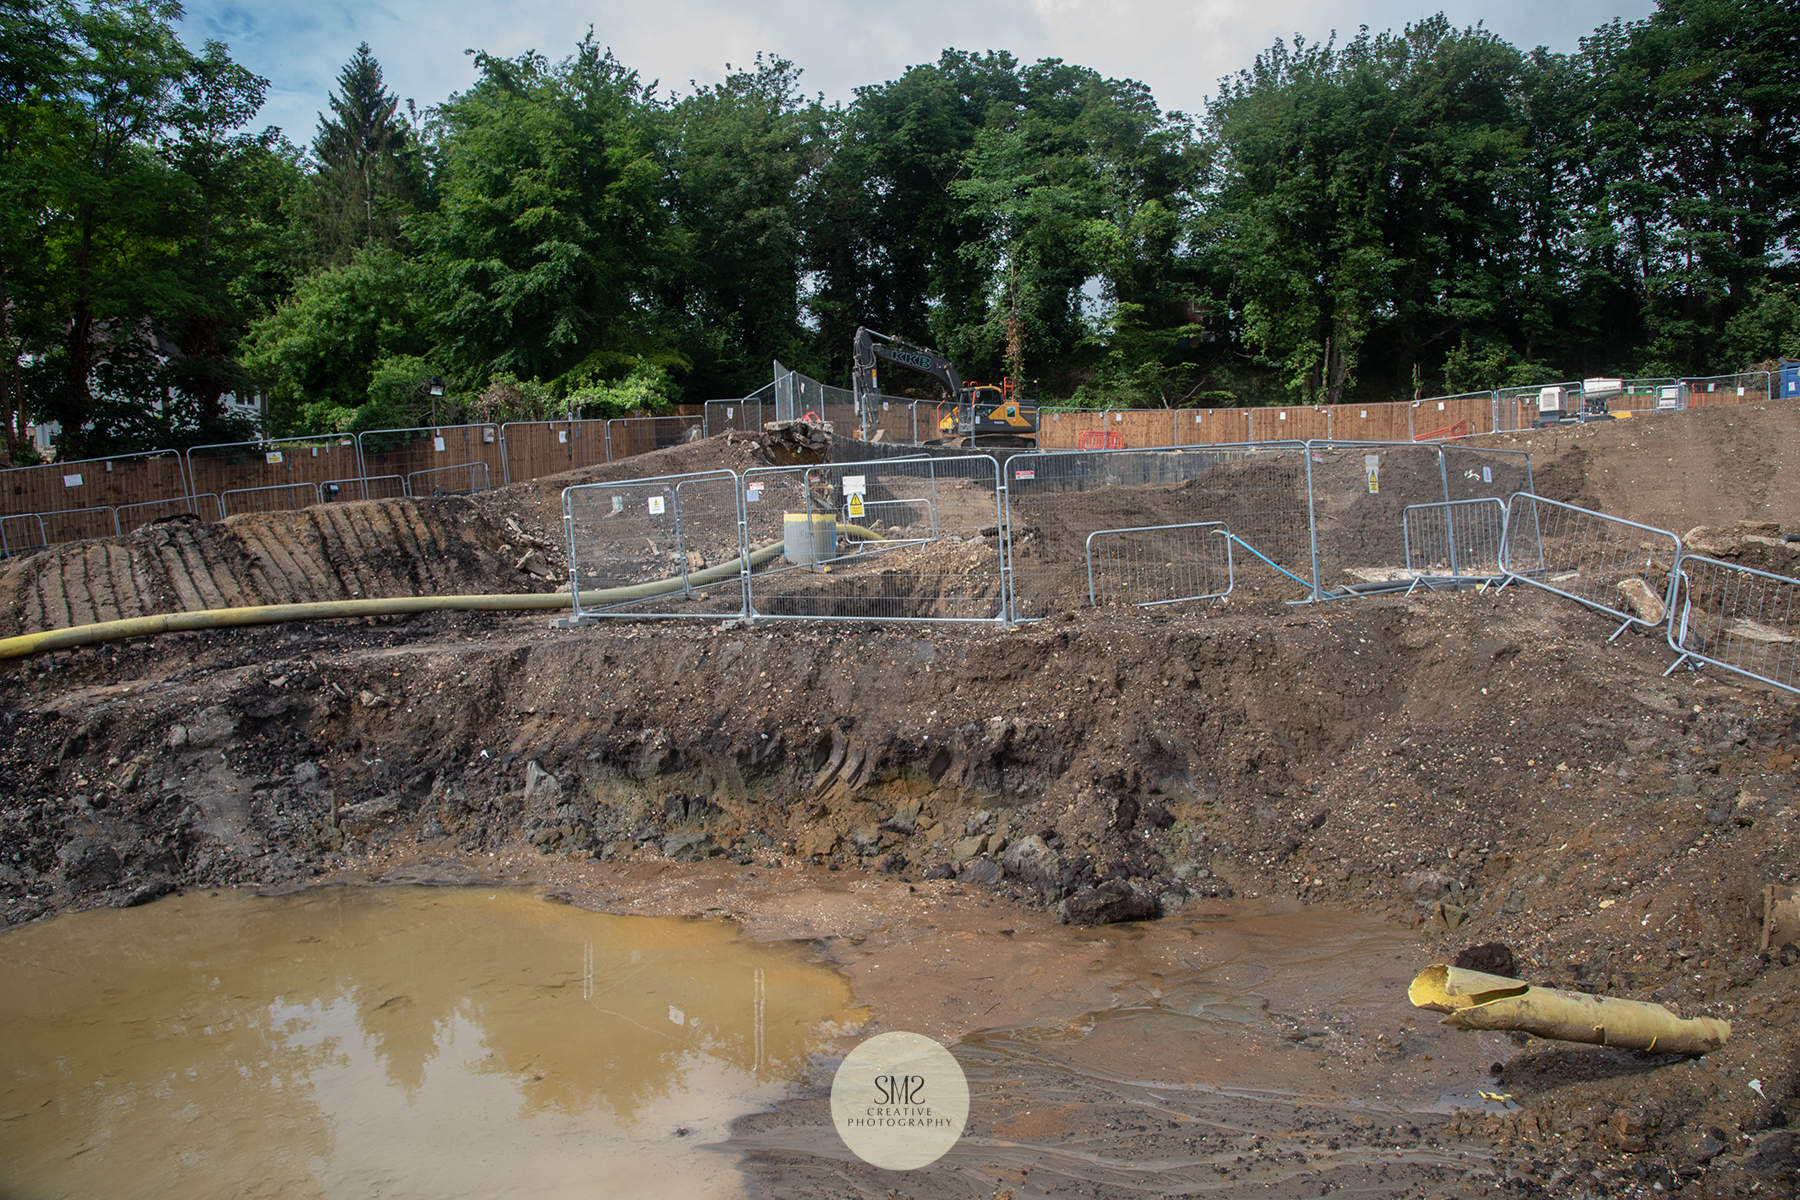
<point>1472,767</point>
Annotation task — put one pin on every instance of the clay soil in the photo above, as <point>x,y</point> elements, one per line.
<point>1465,768</point>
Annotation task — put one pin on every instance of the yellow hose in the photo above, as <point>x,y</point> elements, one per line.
<point>273,614</point>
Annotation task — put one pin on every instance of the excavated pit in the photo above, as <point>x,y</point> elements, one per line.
<point>1467,767</point>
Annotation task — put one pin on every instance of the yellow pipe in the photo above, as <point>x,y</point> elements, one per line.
<point>1476,1000</point>
<point>324,610</point>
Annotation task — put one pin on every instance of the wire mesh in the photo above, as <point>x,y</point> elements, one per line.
<point>275,497</point>
<point>1738,618</point>
<point>669,546</point>
<point>133,516</point>
<point>1726,389</point>
<point>1360,492</point>
<point>456,480</point>
<point>1590,557</point>
<point>1056,500</point>
<point>1153,565</point>
<point>913,539</point>
<point>1457,539</point>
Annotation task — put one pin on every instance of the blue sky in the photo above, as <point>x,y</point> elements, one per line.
<point>1180,48</point>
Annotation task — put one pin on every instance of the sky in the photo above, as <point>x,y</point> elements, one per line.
<point>1180,48</point>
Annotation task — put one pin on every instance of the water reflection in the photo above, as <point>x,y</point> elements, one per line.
<point>396,1041</point>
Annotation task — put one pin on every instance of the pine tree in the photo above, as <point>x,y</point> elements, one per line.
<point>368,169</point>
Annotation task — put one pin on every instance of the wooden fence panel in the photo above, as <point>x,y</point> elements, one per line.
<point>535,449</point>
<point>92,483</point>
<point>1290,424</point>
<point>443,458</point>
<point>240,466</point>
<point>1372,422</point>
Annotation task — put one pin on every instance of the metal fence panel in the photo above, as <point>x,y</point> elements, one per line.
<point>21,533</point>
<point>534,449</point>
<point>1738,618</point>
<point>275,497</point>
<point>893,539</point>
<point>1359,493</point>
<point>407,452</point>
<point>1055,500</point>
<point>1481,473</point>
<point>1458,539</point>
<point>669,546</point>
<point>132,516</point>
<point>1590,557</point>
<point>743,416</point>
<point>381,487</point>
<point>241,466</point>
<point>450,481</point>
<point>1744,388</point>
<point>627,437</point>
<point>1152,565</point>
<point>92,483</point>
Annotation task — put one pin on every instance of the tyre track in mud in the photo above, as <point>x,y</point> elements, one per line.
<point>344,551</point>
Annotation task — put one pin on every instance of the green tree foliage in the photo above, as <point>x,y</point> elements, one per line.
<point>370,169</point>
<point>548,216</point>
<point>736,159</point>
<point>1391,215</point>
<point>321,351</point>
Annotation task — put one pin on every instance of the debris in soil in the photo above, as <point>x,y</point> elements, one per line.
<point>1477,767</point>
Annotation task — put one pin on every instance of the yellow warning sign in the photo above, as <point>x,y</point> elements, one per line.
<point>856,506</point>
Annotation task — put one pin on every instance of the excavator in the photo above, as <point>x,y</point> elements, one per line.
<point>971,414</point>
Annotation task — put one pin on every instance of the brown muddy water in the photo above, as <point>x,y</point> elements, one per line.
<point>433,1042</point>
<point>480,1041</point>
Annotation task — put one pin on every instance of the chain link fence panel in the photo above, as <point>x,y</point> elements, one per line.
<point>1359,494</point>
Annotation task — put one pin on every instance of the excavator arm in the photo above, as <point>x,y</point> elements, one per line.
<point>868,351</point>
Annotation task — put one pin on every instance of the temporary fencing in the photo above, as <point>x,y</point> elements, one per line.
<point>420,451</point>
<point>91,483</point>
<point>628,436</point>
<point>242,466</point>
<point>538,448</point>
<point>274,497</point>
<point>1709,390</point>
<point>1455,539</point>
<point>206,507</point>
<point>1151,565</point>
<point>462,478</point>
<point>1592,558</point>
<point>892,539</point>
<point>1055,501</point>
<point>665,546</point>
<point>1738,618</point>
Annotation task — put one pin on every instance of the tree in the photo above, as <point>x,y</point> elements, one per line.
<point>33,74</point>
<point>540,247</point>
<point>736,158</point>
<point>321,352</point>
<point>369,168</point>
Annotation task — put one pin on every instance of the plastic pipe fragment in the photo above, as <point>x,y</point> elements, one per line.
<point>324,610</point>
<point>1476,1000</point>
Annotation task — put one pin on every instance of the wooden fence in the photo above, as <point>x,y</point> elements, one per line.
<point>57,502</point>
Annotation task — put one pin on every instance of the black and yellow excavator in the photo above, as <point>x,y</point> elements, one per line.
<point>971,414</point>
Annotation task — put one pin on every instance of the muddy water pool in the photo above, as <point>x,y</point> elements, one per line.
<point>432,1042</point>
<point>477,1041</point>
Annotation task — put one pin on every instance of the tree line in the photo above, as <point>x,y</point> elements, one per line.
<point>1390,216</point>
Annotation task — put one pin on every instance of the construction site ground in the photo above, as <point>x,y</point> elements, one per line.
<point>1459,767</point>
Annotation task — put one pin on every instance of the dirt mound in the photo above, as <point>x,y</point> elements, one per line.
<point>330,552</point>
